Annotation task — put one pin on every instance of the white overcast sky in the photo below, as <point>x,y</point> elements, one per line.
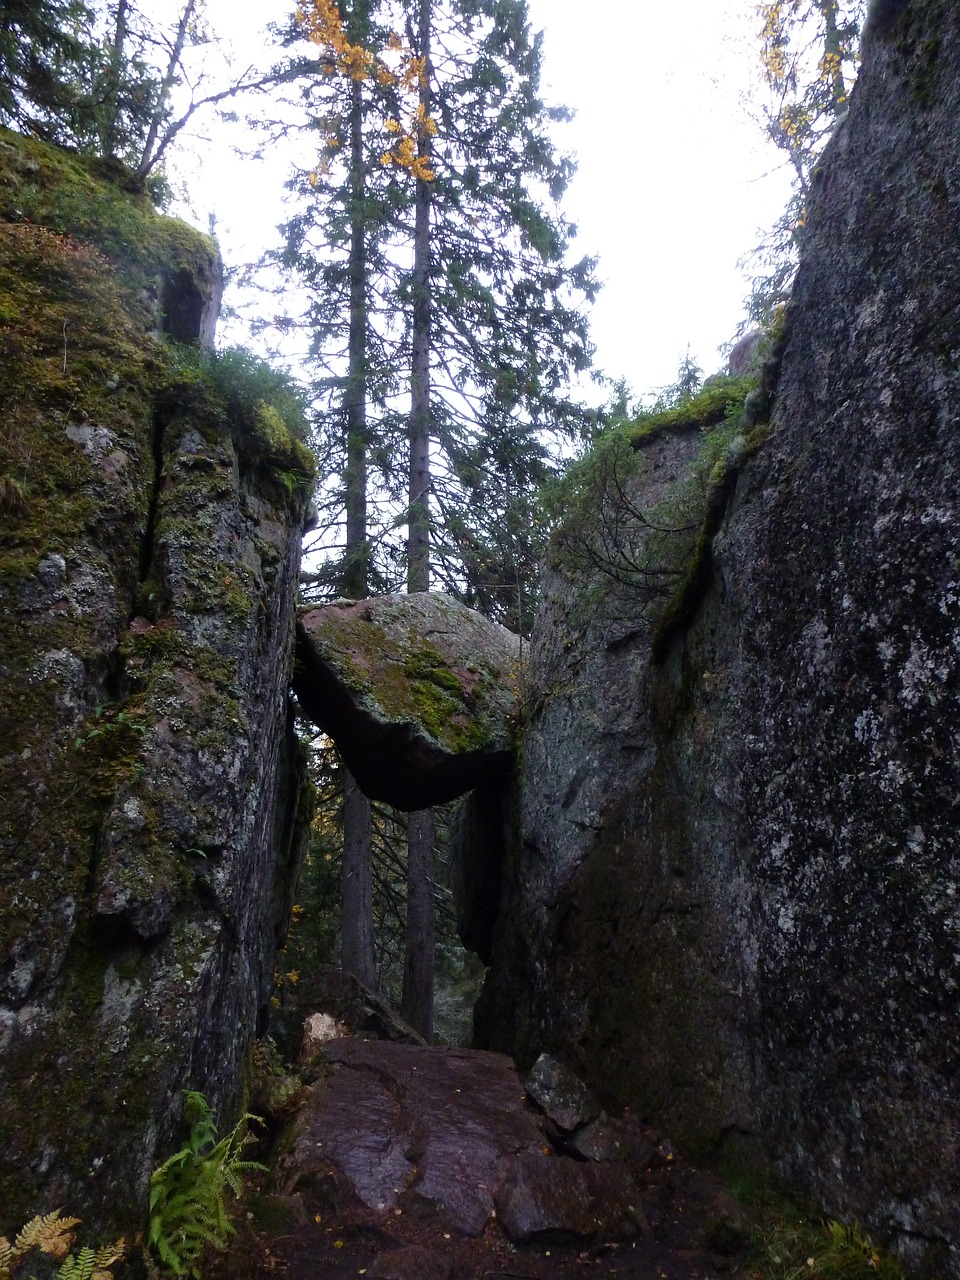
<point>674,178</point>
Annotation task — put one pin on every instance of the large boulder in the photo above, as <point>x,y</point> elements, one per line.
<point>418,692</point>
<point>734,900</point>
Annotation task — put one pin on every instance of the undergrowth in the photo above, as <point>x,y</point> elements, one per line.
<point>263,407</point>
<point>53,1235</point>
<point>788,1244</point>
<point>188,1192</point>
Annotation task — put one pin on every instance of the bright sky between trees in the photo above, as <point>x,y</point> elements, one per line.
<point>675,180</point>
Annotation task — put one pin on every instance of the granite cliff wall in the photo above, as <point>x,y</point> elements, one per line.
<point>734,900</point>
<point>152,507</point>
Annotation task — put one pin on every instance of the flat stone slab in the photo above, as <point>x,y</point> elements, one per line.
<point>409,1129</point>
<point>543,1198</point>
<point>418,692</point>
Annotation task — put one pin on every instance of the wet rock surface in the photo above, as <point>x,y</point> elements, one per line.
<point>417,691</point>
<point>429,1140</point>
<point>415,1163</point>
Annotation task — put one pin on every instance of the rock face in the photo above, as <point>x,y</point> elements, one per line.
<point>417,691</point>
<point>735,897</point>
<point>149,774</point>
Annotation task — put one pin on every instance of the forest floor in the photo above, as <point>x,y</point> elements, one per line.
<point>349,1243</point>
<point>407,1163</point>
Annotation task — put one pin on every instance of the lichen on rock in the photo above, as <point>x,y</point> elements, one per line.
<point>149,774</point>
<point>733,902</point>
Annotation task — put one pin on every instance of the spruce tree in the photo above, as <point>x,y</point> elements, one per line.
<point>41,43</point>
<point>482,320</point>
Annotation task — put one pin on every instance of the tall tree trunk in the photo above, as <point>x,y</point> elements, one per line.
<point>420,956</point>
<point>109,126</point>
<point>357,955</point>
<point>418,969</point>
<point>418,531</point>
<point>833,55</point>
<point>152,146</point>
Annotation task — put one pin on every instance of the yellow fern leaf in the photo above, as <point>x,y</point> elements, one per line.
<point>47,1232</point>
<point>107,1257</point>
<point>6,1257</point>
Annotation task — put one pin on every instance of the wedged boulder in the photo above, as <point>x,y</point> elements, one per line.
<point>417,691</point>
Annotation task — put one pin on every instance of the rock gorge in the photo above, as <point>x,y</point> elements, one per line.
<point>733,896</point>
<point>729,857</point>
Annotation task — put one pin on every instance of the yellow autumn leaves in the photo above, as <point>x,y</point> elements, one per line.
<point>321,24</point>
<point>53,1235</point>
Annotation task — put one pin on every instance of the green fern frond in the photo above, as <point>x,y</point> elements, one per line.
<point>188,1209</point>
<point>78,1266</point>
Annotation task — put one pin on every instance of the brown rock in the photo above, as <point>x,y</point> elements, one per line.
<point>555,1198</point>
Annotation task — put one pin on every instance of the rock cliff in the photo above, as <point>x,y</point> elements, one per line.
<point>734,899</point>
<point>152,505</point>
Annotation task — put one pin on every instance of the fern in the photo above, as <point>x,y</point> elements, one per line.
<point>53,1235</point>
<point>188,1208</point>
<point>48,1232</point>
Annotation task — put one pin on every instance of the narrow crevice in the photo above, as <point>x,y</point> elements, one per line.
<point>148,541</point>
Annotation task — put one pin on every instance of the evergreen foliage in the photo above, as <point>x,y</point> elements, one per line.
<point>506,329</point>
<point>100,77</point>
<point>39,41</point>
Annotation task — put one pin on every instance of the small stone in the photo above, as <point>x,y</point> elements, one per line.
<point>601,1139</point>
<point>553,1198</point>
<point>561,1094</point>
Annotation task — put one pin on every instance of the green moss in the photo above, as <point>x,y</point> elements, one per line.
<point>410,680</point>
<point>680,611</point>
<point>100,204</point>
<point>83,385</point>
<point>262,408</point>
<point>717,403</point>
